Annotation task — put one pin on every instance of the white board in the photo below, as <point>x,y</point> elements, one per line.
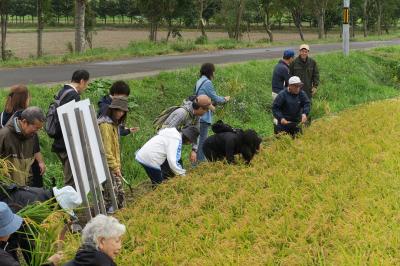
<point>69,109</point>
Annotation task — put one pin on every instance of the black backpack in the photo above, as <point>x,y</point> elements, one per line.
<point>221,127</point>
<point>52,123</point>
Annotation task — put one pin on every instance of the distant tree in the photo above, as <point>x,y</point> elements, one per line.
<point>269,8</point>
<point>153,11</point>
<point>230,15</point>
<point>4,12</point>
<point>296,9</point>
<point>90,22</point>
<point>80,7</point>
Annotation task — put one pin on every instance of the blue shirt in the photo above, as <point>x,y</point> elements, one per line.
<point>204,86</point>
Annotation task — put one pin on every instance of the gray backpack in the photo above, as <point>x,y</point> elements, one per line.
<point>52,125</point>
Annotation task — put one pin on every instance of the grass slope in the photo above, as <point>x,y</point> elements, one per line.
<point>329,197</point>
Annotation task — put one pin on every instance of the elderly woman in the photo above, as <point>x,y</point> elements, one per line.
<point>101,242</point>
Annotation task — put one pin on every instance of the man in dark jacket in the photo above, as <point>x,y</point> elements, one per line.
<point>79,83</point>
<point>280,76</point>
<point>291,108</point>
<point>18,143</point>
<point>307,70</point>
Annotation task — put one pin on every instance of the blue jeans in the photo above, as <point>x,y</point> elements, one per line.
<point>203,136</point>
<point>155,175</point>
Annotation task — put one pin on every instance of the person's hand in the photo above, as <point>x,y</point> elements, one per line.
<point>42,167</point>
<point>56,258</point>
<point>134,129</point>
<point>227,98</point>
<point>193,157</point>
<point>117,172</point>
<point>303,118</point>
<point>284,122</point>
<point>313,91</point>
<point>211,107</point>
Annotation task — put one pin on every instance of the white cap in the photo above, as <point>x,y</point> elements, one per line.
<point>295,80</point>
<point>304,46</point>
<point>67,198</point>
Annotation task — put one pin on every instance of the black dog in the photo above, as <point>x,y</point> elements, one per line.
<point>227,144</point>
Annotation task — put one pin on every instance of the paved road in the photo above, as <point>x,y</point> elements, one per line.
<point>145,66</point>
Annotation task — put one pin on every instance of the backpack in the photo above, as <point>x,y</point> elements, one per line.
<point>221,127</point>
<point>160,119</point>
<point>158,122</point>
<point>52,122</point>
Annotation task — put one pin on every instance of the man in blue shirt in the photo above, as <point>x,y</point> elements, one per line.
<point>280,76</point>
<point>291,108</point>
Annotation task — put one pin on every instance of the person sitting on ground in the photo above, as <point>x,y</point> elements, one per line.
<point>189,115</point>
<point>291,108</point>
<point>226,143</point>
<point>18,142</point>
<point>18,100</point>
<point>18,197</point>
<point>161,154</point>
<point>9,224</point>
<point>101,242</point>
<point>108,124</point>
<point>118,88</point>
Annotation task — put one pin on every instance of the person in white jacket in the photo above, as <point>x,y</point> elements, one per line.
<point>164,151</point>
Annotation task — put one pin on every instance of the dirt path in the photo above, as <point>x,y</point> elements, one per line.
<point>55,43</point>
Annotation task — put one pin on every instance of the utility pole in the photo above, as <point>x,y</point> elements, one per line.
<point>346,27</point>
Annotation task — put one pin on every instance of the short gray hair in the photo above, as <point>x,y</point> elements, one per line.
<point>101,226</point>
<point>31,114</point>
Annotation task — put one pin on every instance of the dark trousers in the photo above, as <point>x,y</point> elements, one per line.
<point>68,177</point>
<point>292,129</point>
<point>37,178</point>
<point>156,175</point>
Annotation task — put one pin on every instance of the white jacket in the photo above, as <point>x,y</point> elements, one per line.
<point>167,144</point>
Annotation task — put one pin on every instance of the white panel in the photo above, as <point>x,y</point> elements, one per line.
<point>93,142</point>
<point>69,110</point>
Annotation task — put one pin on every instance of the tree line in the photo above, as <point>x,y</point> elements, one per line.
<point>235,16</point>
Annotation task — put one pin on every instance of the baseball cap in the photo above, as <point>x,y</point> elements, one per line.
<point>295,80</point>
<point>288,53</point>
<point>304,46</point>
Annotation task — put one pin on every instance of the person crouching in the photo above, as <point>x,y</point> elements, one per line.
<point>162,153</point>
<point>291,108</point>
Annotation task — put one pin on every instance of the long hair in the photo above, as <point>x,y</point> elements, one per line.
<point>17,99</point>
<point>121,121</point>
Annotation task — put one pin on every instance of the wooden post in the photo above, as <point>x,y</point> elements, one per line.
<point>91,173</point>
<point>109,183</point>
<point>77,169</point>
<point>95,179</point>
